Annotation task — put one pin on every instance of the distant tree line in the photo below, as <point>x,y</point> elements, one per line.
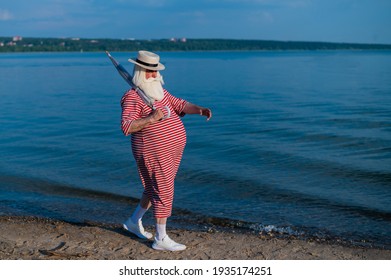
<point>8,44</point>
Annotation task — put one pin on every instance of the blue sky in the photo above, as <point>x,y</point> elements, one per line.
<point>356,21</point>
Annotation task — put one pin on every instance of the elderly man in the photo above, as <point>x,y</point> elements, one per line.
<point>158,139</point>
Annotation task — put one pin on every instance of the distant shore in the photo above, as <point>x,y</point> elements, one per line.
<point>30,238</point>
<point>28,44</point>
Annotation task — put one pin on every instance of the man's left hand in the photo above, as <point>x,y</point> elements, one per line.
<point>206,112</point>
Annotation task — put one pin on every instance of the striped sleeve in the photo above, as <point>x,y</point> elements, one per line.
<point>177,104</point>
<point>131,110</point>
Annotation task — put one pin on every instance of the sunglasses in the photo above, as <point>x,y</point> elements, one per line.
<point>150,71</point>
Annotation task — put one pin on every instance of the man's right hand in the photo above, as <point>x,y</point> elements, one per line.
<point>156,115</point>
<point>153,117</point>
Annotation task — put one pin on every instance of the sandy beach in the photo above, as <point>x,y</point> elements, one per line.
<point>31,238</point>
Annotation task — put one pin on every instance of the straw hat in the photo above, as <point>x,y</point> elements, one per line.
<point>148,60</point>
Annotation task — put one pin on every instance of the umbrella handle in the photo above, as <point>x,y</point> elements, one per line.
<point>168,113</point>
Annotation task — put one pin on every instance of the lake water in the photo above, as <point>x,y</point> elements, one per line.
<point>299,141</point>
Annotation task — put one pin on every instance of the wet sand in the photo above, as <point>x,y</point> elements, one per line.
<point>31,238</point>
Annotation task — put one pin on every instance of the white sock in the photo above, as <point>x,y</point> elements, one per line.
<point>160,231</point>
<point>138,214</point>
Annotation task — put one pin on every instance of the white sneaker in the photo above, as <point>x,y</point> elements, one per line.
<point>166,244</point>
<point>137,229</point>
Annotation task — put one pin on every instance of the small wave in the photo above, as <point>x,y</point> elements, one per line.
<point>268,229</point>
<point>41,186</point>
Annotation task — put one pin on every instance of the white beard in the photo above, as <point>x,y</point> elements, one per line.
<point>153,88</point>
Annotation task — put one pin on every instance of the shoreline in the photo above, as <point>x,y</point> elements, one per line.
<point>32,238</point>
<point>117,208</point>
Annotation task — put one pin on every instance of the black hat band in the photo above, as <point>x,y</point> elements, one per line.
<point>146,64</point>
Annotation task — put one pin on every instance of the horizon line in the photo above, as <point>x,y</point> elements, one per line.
<point>188,38</point>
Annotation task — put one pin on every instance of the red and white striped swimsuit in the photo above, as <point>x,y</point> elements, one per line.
<point>157,148</point>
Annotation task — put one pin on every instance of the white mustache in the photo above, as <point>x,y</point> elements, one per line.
<point>157,79</point>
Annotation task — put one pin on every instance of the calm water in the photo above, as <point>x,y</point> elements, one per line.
<point>299,140</point>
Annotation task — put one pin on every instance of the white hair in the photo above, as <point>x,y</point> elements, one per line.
<point>138,75</point>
